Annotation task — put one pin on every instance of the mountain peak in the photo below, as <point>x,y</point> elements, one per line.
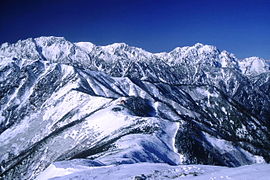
<point>114,46</point>
<point>198,45</point>
<point>254,65</point>
<point>86,46</point>
<point>50,38</point>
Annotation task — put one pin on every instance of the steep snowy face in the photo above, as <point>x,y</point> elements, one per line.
<point>254,66</point>
<point>199,54</point>
<point>53,49</point>
<point>118,104</point>
<point>21,49</point>
<point>86,46</point>
<point>120,51</point>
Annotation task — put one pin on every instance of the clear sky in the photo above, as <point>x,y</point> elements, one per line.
<point>238,26</point>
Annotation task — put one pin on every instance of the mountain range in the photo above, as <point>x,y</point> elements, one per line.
<point>78,105</point>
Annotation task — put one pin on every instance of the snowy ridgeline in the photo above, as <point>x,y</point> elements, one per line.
<point>121,59</point>
<point>117,111</point>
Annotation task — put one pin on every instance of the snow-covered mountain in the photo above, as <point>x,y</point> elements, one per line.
<point>254,66</point>
<point>117,104</point>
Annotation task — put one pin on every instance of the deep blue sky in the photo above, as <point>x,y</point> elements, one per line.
<point>239,26</point>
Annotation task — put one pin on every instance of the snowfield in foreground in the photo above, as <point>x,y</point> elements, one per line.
<point>81,169</point>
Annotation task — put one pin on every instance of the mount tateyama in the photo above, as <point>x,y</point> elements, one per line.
<point>81,111</point>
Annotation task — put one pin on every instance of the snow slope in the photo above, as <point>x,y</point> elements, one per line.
<point>84,169</point>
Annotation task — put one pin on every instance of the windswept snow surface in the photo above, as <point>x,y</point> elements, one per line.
<point>84,169</point>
